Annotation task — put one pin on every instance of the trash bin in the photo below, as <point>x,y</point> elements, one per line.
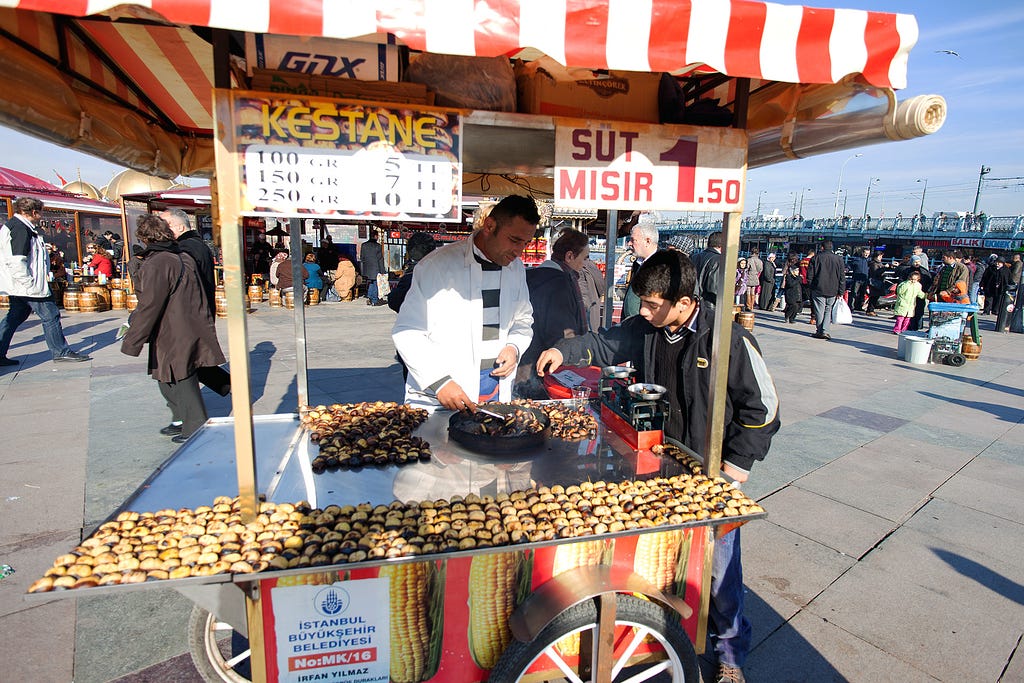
<point>918,350</point>
<point>901,342</point>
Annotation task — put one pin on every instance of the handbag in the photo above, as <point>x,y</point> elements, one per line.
<point>841,313</point>
<point>216,378</point>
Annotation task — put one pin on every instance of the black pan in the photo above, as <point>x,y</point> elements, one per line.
<point>464,429</point>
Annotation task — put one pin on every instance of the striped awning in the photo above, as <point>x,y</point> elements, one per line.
<point>741,38</point>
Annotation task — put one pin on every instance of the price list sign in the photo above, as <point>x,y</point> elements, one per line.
<point>644,167</point>
<point>330,158</point>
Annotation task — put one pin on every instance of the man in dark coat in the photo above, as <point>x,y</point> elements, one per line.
<point>371,264</point>
<point>192,244</point>
<point>708,264</point>
<point>826,277</point>
<point>667,342</point>
<point>767,281</point>
<point>175,320</point>
<point>859,267</point>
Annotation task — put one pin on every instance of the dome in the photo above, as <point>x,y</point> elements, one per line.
<point>133,182</point>
<point>83,188</point>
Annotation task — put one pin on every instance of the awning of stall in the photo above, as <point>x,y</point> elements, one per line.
<point>130,81</point>
<point>182,196</point>
<point>17,184</point>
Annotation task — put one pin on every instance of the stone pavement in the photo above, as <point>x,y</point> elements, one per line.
<point>892,550</point>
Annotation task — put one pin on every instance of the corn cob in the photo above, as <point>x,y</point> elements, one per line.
<point>409,628</point>
<point>656,555</point>
<point>570,556</point>
<point>314,579</point>
<point>492,589</point>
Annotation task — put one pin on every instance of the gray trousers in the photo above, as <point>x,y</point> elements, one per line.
<point>185,400</point>
<point>822,307</point>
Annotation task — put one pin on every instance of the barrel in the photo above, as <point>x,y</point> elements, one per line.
<point>255,293</point>
<point>274,298</point>
<point>102,297</point>
<point>746,319</point>
<point>969,349</point>
<point>88,302</point>
<point>117,299</point>
<point>132,301</point>
<point>314,296</point>
<point>735,312</point>
<point>289,299</point>
<point>71,300</point>
<point>117,283</point>
<point>5,302</point>
<point>221,303</point>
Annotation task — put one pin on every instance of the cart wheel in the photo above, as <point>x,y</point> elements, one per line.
<point>220,654</point>
<point>956,359</point>
<point>646,618</point>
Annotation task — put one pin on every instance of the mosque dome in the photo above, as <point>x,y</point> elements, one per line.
<point>134,182</point>
<point>83,188</point>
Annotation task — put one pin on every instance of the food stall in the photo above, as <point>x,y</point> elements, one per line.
<point>370,542</point>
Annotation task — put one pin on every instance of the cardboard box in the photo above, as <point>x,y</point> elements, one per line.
<point>325,57</point>
<point>341,88</point>
<point>545,87</point>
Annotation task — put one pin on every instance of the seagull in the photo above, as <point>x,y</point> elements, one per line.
<point>949,52</point>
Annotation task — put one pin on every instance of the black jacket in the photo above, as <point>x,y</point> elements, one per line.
<point>192,244</point>
<point>371,259</point>
<point>708,264</point>
<point>826,274</point>
<point>752,403</point>
<point>859,266</point>
<point>555,309</point>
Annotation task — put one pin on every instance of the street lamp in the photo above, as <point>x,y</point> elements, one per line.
<point>985,170</point>
<point>839,185</point>
<point>757,214</point>
<point>867,197</point>
<point>923,193</point>
<point>800,211</point>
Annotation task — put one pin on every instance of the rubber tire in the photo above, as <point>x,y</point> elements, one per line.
<point>518,656</point>
<point>956,359</point>
<point>205,651</point>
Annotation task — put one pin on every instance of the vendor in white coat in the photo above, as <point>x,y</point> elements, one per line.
<point>467,316</point>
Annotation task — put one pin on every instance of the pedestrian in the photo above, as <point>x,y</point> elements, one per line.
<point>988,285</point>
<point>59,273</point>
<point>592,287</point>
<point>173,317</point>
<point>116,246</point>
<point>978,268</point>
<point>192,244</point>
<point>792,287</point>
<point>740,282</point>
<point>666,342</point>
<point>643,242</point>
<point>908,293</point>
<point>805,267</point>
<point>262,255</point>
<point>1004,295</point>
<point>345,279</point>
<point>24,275</point>
<point>99,260</point>
<point>275,264</point>
<point>371,262</point>
<point>920,253</point>
<point>313,278</point>
<point>327,257</point>
<point>926,283</point>
<point>859,269</point>
<point>467,317</point>
<point>419,245</point>
<point>877,286</point>
<point>709,264</point>
<point>827,280</point>
<point>755,266</point>
<point>286,276</point>
<point>766,296</point>
<point>952,282</point>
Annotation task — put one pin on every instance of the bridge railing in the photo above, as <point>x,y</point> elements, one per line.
<point>1003,227</point>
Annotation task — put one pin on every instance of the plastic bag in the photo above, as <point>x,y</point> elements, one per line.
<point>841,313</point>
<point>383,285</point>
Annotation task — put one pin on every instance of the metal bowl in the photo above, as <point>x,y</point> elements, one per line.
<point>464,429</point>
<point>617,371</point>
<point>647,392</point>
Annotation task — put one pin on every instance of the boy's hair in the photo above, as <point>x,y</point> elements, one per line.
<point>569,240</point>
<point>911,274</point>
<point>668,274</point>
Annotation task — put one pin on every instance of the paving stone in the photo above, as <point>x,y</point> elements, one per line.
<point>943,437</point>
<point>50,629</point>
<point>826,521</point>
<point>875,490</point>
<point>985,535</point>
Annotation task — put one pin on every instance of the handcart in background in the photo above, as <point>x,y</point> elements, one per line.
<point>946,325</point>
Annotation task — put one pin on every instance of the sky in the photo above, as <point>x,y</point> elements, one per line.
<point>984,127</point>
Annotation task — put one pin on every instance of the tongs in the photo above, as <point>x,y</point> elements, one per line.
<point>491,413</point>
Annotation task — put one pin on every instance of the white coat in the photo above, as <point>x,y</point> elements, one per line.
<point>439,328</point>
<point>24,273</point>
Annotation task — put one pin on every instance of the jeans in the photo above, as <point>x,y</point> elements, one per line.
<point>371,291</point>
<point>822,307</point>
<point>47,311</point>
<point>728,628</point>
<point>975,286</point>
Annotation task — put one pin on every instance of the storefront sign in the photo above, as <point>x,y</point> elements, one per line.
<point>965,242</point>
<point>337,632</point>
<point>643,167</point>
<point>1001,244</point>
<point>329,158</point>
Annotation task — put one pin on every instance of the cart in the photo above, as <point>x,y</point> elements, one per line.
<point>301,622</point>
<point>946,325</point>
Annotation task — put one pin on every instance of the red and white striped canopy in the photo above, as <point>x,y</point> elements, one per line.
<point>740,38</point>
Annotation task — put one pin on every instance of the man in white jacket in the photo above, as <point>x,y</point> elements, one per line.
<point>24,275</point>
<point>467,317</point>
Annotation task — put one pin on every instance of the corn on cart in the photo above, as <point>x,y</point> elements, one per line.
<point>585,558</point>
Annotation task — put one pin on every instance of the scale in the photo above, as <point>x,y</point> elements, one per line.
<point>636,412</point>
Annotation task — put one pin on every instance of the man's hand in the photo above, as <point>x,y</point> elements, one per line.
<point>452,397</point>
<point>548,361</point>
<point>506,362</point>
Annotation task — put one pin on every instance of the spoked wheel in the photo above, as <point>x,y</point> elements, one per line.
<point>637,623</point>
<point>220,654</point>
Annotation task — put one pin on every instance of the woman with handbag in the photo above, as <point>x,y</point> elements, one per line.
<point>174,318</point>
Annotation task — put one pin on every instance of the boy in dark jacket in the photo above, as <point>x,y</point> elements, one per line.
<point>671,343</point>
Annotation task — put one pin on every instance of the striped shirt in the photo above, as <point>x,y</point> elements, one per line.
<point>490,294</point>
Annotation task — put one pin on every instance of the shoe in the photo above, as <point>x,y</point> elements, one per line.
<point>171,430</point>
<point>872,314</point>
<point>729,674</point>
<point>180,438</point>
<point>820,335</point>
<point>72,357</point>
<point>4,362</point>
